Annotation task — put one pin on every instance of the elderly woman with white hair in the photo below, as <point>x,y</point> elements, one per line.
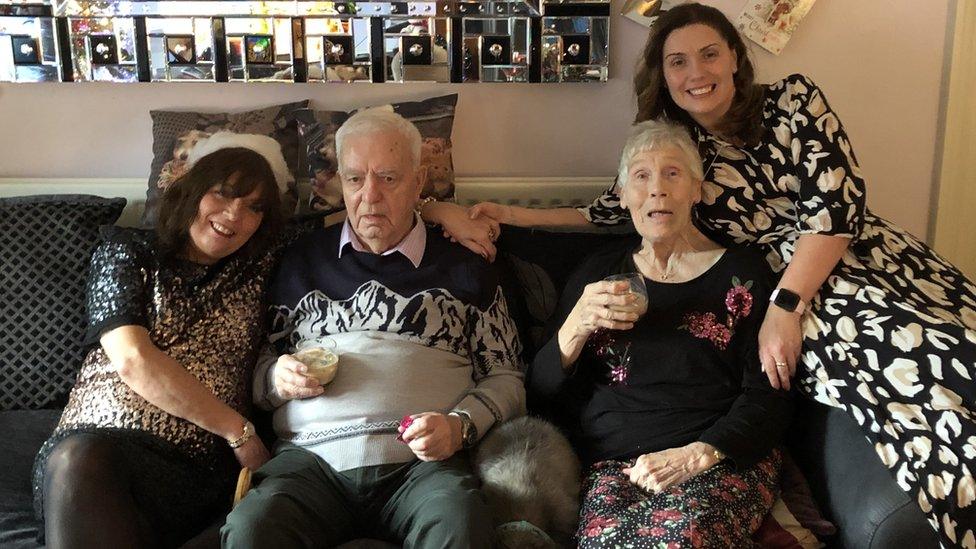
<point>665,398</point>
<point>155,428</point>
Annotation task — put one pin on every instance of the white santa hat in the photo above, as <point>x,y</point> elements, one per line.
<point>261,144</point>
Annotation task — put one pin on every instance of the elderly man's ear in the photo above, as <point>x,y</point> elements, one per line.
<point>421,181</point>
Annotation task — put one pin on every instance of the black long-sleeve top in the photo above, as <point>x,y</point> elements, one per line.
<point>694,372</point>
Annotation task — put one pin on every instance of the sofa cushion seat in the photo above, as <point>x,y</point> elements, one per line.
<point>24,431</point>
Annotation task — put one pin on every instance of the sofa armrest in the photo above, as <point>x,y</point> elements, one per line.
<point>853,488</point>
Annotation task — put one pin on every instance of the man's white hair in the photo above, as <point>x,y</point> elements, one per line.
<point>654,135</point>
<point>379,120</point>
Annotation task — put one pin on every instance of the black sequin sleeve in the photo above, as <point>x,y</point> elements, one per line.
<point>117,282</point>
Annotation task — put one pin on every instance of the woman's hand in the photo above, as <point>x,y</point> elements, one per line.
<point>595,310</point>
<point>658,471</point>
<point>780,339</point>
<point>477,235</point>
<point>433,436</point>
<point>252,454</point>
<point>500,213</point>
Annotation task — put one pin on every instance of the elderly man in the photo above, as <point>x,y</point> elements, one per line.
<point>422,332</point>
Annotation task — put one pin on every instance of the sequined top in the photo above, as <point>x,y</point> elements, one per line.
<point>207,318</point>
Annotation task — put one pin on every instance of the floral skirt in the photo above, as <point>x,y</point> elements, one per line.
<point>717,508</point>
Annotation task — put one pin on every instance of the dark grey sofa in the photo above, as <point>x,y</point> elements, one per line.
<point>850,484</point>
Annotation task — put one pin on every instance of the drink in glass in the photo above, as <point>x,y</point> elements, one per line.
<point>637,289</point>
<point>319,356</point>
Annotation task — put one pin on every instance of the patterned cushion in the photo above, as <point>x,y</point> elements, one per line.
<point>434,118</point>
<point>45,246</point>
<point>175,133</point>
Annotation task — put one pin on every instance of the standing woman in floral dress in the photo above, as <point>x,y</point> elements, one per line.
<point>866,316</point>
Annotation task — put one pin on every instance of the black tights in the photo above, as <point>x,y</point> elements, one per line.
<point>88,497</point>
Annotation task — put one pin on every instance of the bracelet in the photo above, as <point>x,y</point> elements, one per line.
<point>245,436</point>
<point>423,202</point>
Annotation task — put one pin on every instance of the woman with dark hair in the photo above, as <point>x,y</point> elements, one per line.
<point>154,431</point>
<point>868,317</point>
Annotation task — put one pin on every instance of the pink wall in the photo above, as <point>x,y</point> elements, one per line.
<point>879,61</point>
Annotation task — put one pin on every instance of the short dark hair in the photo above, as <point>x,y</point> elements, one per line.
<point>180,204</point>
<point>744,118</point>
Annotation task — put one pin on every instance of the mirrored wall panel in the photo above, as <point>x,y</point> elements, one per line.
<point>296,41</point>
<point>28,50</point>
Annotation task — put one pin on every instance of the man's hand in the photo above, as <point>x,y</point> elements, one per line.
<point>433,436</point>
<point>291,382</point>
<point>658,471</point>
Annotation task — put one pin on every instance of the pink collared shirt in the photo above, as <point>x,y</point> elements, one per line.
<point>412,246</point>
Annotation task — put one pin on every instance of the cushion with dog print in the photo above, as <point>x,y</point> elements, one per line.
<point>434,118</point>
<point>176,132</point>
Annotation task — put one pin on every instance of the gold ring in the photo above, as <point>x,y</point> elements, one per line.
<point>491,233</point>
<point>781,365</point>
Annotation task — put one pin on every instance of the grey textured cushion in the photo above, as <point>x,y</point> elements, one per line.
<point>45,245</point>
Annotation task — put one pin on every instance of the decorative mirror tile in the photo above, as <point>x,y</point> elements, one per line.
<point>575,49</point>
<point>302,41</point>
<point>28,51</point>
<point>417,49</point>
<point>337,50</point>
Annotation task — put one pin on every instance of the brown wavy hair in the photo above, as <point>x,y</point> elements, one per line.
<point>180,204</point>
<point>744,118</point>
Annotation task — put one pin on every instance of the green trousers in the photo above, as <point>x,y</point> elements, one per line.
<point>298,500</point>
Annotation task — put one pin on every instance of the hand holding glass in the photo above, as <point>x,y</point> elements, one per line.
<point>319,356</point>
<point>637,289</point>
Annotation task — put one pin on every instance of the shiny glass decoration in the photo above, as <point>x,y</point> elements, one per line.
<point>417,49</point>
<point>28,50</point>
<point>337,50</point>
<point>304,41</point>
<point>575,49</point>
<point>496,49</point>
<point>103,49</point>
<point>259,49</point>
<point>181,49</point>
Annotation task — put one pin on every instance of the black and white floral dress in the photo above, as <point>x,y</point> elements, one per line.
<point>891,336</point>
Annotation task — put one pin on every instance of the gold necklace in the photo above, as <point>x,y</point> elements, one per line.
<point>668,269</point>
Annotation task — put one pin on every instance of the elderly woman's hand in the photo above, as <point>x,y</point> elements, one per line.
<point>658,471</point>
<point>252,454</point>
<point>780,340</point>
<point>598,307</point>
<point>499,212</point>
<point>477,235</point>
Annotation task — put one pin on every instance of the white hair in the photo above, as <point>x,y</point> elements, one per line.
<point>654,135</point>
<point>379,120</point>
<point>261,144</point>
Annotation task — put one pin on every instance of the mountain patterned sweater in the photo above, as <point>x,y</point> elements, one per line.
<point>410,338</point>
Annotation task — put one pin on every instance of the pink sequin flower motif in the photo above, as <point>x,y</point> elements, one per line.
<point>738,303</point>
<point>617,357</point>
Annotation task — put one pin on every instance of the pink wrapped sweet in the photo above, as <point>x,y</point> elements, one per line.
<point>405,424</point>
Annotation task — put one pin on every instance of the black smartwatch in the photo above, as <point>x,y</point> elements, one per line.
<point>469,433</point>
<point>787,300</point>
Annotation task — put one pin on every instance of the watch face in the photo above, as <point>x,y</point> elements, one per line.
<point>786,299</point>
